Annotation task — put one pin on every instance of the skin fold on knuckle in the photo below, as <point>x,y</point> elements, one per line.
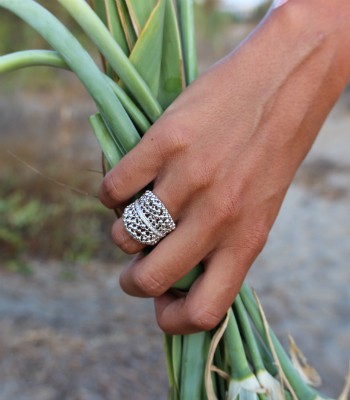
<point>203,319</point>
<point>109,191</point>
<point>259,235</point>
<point>200,175</point>
<point>174,140</point>
<point>253,238</point>
<point>225,210</point>
<point>148,284</point>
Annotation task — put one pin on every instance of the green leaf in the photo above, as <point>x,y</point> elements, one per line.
<point>146,56</point>
<point>139,13</point>
<point>125,20</point>
<point>100,35</point>
<point>115,25</point>
<point>172,75</point>
<point>188,36</point>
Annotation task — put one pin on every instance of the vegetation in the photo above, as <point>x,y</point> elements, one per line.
<point>40,219</point>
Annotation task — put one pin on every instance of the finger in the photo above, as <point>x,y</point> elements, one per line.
<point>170,260</point>
<point>208,299</point>
<point>123,240</point>
<point>174,201</point>
<point>139,167</point>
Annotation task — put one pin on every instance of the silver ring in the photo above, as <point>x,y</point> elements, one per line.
<point>147,220</point>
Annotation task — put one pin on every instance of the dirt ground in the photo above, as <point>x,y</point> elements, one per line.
<point>77,340</point>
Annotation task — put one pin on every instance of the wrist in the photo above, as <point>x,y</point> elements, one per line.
<point>327,20</point>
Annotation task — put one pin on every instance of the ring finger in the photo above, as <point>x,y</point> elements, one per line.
<point>174,201</point>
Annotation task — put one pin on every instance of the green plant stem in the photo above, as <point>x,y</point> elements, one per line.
<point>188,36</point>
<point>131,108</point>
<point>194,354</point>
<point>220,383</point>
<point>108,146</point>
<point>115,26</point>
<point>176,351</point>
<point>79,61</point>
<point>297,383</point>
<point>248,334</point>
<point>170,368</point>
<point>266,355</point>
<point>49,58</point>
<point>236,358</point>
<point>31,58</point>
<point>100,35</point>
<point>100,9</point>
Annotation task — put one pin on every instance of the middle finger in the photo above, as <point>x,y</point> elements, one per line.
<point>169,261</point>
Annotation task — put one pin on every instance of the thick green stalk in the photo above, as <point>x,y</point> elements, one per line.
<point>79,61</point>
<point>194,354</point>
<point>99,9</point>
<point>248,334</point>
<point>176,351</point>
<point>100,35</point>
<point>297,383</point>
<point>239,367</point>
<point>266,356</point>
<point>108,146</point>
<point>131,108</point>
<point>170,367</point>
<point>188,35</point>
<point>29,58</point>
<point>220,362</point>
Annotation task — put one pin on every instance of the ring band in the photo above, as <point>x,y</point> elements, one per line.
<point>147,220</point>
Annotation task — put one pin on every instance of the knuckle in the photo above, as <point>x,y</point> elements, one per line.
<point>255,237</point>
<point>175,141</point>
<point>259,235</point>
<point>202,319</point>
<point>148,284</point>
<point>200,177</point>
<point>110,188</point>
<point>226,209</point>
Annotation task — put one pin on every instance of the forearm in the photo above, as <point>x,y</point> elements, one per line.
<point>328,19</point>
<point>295,66</point>
<point>294,35</point>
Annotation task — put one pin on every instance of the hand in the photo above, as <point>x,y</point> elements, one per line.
<point>221,160</point>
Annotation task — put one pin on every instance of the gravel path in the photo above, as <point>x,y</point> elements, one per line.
<point>81,339</point>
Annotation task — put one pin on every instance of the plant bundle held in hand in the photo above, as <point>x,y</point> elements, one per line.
<point>149,57</point>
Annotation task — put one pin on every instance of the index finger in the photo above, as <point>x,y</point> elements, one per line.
<point>143,163</point>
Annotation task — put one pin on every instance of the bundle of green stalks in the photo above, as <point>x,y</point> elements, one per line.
<point>148,58</point>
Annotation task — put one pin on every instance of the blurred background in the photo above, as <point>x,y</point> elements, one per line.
<point>66,329</point>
